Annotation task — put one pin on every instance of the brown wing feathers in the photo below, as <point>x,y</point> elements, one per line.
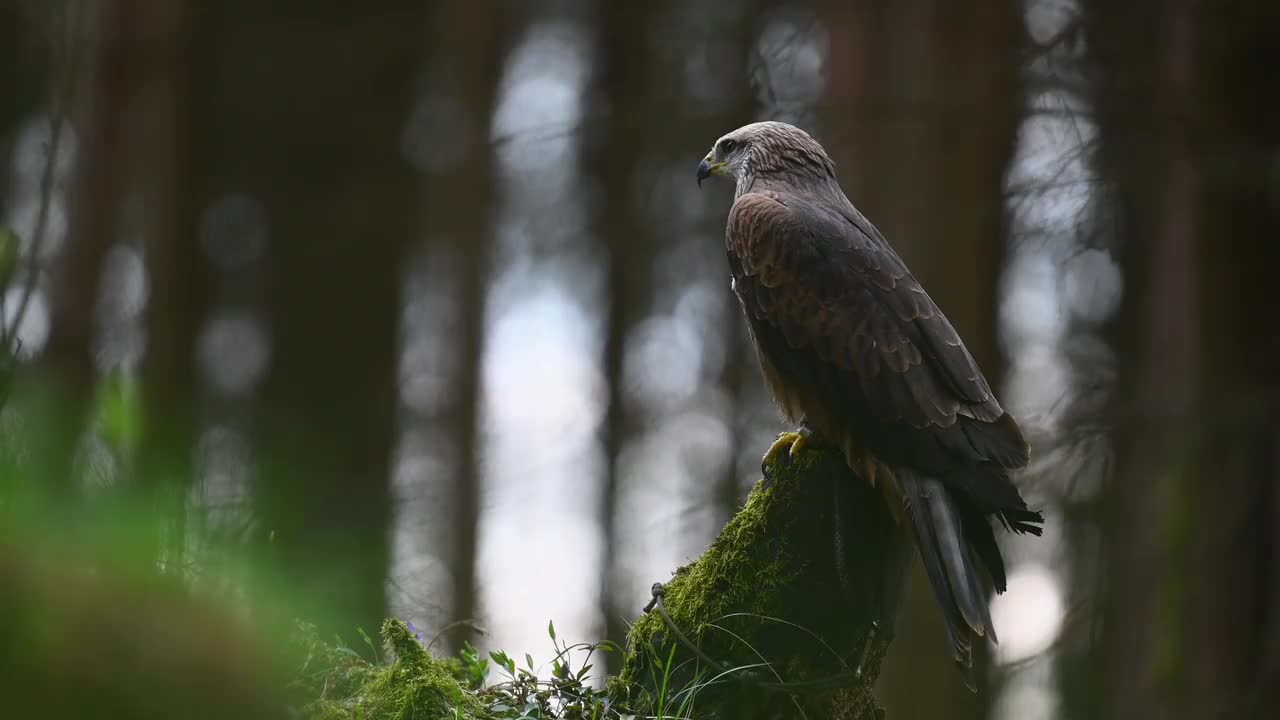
<point>848,298</point>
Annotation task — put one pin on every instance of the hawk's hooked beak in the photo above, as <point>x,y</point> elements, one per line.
<point>706,169</point>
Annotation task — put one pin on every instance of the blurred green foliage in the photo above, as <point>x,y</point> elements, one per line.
<point>92,621</point>
<point>85,627</point>
<point>119,412</point>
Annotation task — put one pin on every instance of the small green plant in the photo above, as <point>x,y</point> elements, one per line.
<point>523,695</point>
<point>666,696</point>
<point>403,680</point>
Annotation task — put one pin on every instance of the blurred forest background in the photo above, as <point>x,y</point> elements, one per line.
<point>336,311</point>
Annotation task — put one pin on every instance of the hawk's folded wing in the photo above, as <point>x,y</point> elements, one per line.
<point>835,302</point>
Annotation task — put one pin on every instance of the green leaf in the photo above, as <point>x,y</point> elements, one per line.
<point>120,412</point>
<point>551,630</point>
<point>504,661</point>
<point>368,641</point>
<point>528,659</point>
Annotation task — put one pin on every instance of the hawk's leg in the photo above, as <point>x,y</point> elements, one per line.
<point>791,442</point>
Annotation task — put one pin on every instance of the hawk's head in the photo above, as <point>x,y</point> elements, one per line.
<point>772,150</point>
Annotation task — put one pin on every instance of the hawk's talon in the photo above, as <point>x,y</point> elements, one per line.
<point>793,442</point>
<point>802,440</point>
<point>785,442</point>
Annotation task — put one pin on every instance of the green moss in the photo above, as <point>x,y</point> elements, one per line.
<point>768,590</point>
<point>414,686</point>
<point>742,572</point>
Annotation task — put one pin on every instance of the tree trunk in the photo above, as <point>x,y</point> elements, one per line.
<point>786,608</point>
<point>470,40</point>
<point>312,113</point>
<point>1140,157</point>
<point>1190,608</point>
<point>925,104</point>
<point>1233,610</point>
<point>174,184</point>
<point>624,85</point>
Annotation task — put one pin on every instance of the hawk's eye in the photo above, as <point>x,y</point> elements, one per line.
<point>727,146</point>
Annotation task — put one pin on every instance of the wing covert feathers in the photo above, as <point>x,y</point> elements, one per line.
<point>842,303</point>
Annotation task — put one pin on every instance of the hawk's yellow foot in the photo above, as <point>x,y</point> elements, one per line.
<point>792,442</point>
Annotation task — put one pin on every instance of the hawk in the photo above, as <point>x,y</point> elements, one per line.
<point>855,352</point>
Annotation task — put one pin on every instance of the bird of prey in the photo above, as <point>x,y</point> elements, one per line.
<point>855,351</point>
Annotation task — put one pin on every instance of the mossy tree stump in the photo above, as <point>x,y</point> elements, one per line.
<point>790,609</point>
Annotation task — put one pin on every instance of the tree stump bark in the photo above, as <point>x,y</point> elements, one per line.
<point>788,613</point>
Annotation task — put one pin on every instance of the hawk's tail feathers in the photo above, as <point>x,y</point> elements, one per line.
<point>935,521</point>
<point>1022,520</point>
